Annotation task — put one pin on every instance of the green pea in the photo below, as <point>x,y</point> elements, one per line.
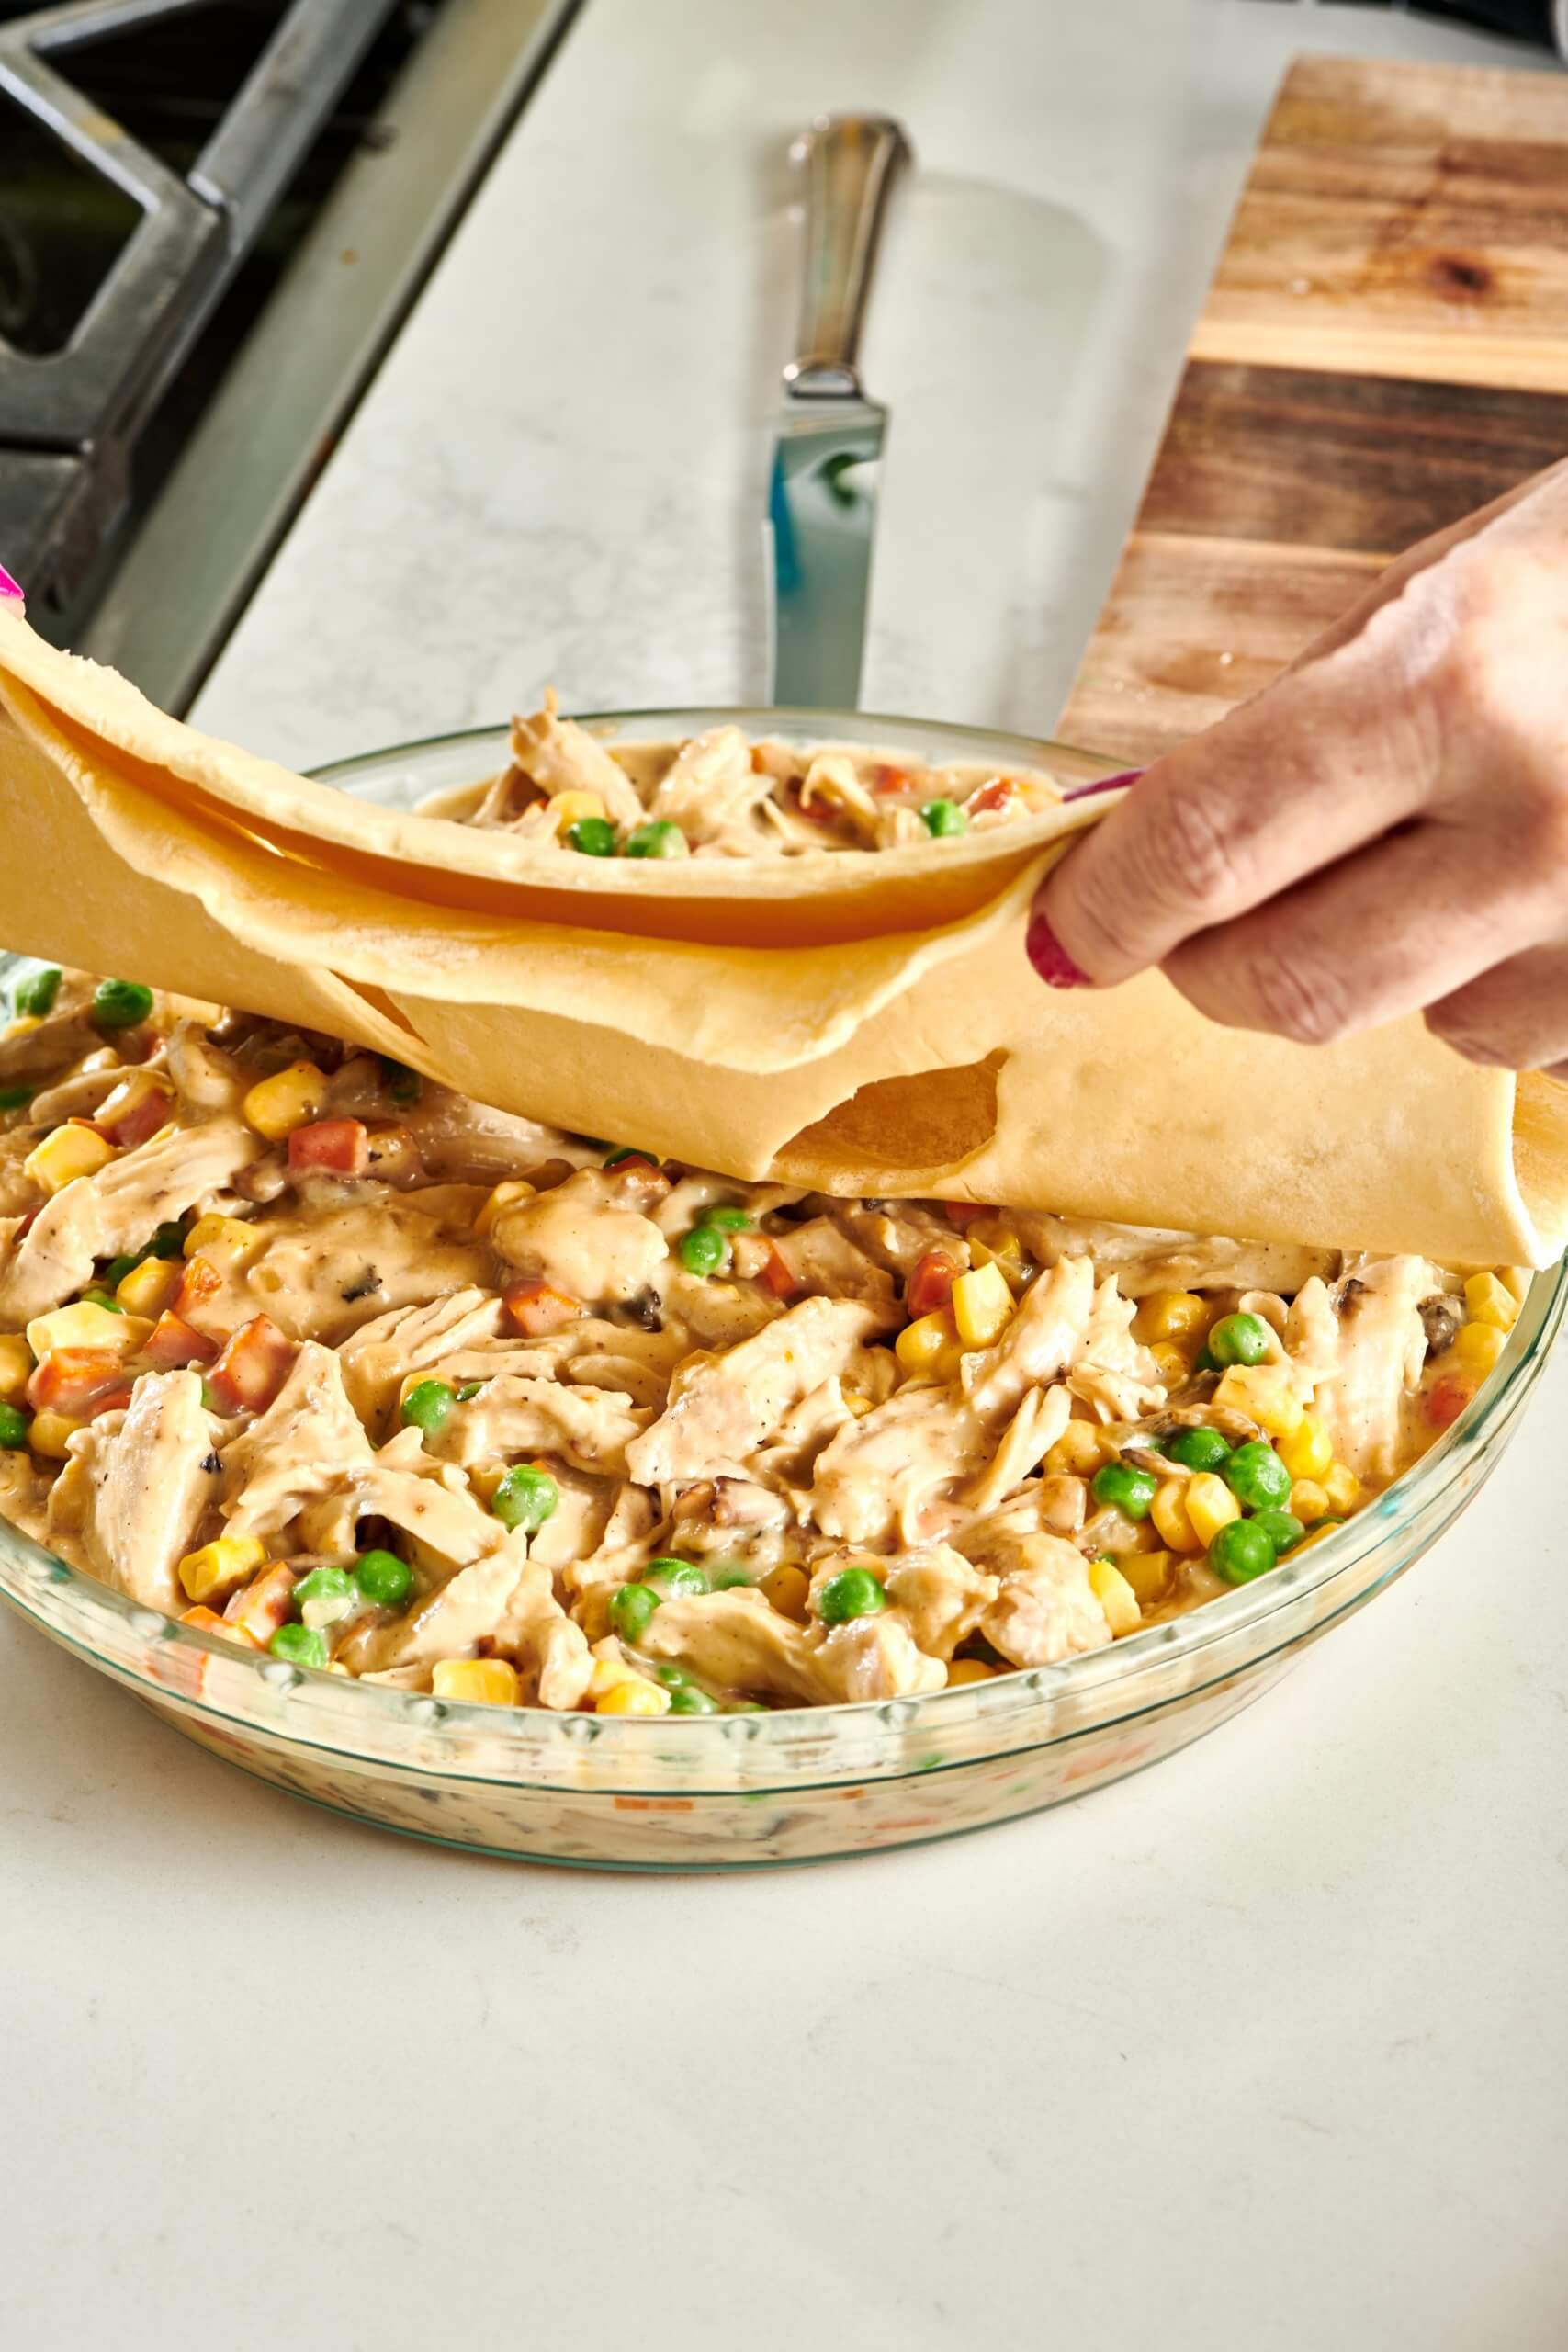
<point>33,997</point>
<point>1241,1551</point>
<point>383,1579</point>
<point>1283,1528</point>
<point>1239,1339</point>
<point>630,1151</point>
<point>1203,1361</point>
<point>13,1428</point>
<point>659,839</point>
<point>943,818</point>
<point>15,1098</point>
<point>593,837</point>
<point>729,1220</point>
<point>209,1398</point>
<point>690,1699</point>
<point>300,1644</point>
<point>1257,1477</point>
<point>525,1498</point>
<point>324,1595</point>
<point>745,1707</point>
<point>670,1676</point>
<point>96,1297</point>
<point>1121,1487</point>
<point>169,1241</point>
<point>1195,1449</point>
<point>427,1405</point>
<point>116,1270</point>
<point>676,1578</point>
<point>631,1610</point>
<point>468,1391</point>
<point>405,1085</point>
<point>853,1592</point>
<point>724,1575</point>
<point>120,1004</point>
<point>704,1250</point>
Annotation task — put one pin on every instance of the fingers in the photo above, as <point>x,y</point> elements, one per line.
<point>1316,765</point>
<point>1416,917</point>
<point>1516,1015</point>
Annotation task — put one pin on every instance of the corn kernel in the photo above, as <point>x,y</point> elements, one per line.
<point>1115,1596</point>
<point>15,1368</point>
<point>1517,1280</point>
<point>1209,1505</point>
<point>1343,1489</point>
<point>1490,1301</point>
<point>1307,1451</point>
<point>968,1670</point>
<point>1478,1346</point>
<point>1077,1453</point>
<point>503,1196</point>
<point>1267,1394</point>
<point>219,1566</point>
<point>290,1099</point>
<point>66,1154</point>
<point>982,1305</point>
<point>149,1287</point>
<point>1309,1501</point>
<point>785,1589</point>
<point>1172,1314</point>
<point>48,1434</point>
<point>1007,1255</point>
<point>482,1681</point>
<point>1172,1520</point>
<point>634,1697</point>
<point>922,1344</point>
<point>568,809</point>
<point>1148,1573</point>
<point>86,1326</point>
<point>1172,1363</point>
<point>227,1241</point>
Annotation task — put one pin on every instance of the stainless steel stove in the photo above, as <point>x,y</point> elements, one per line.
<point>213,215</point>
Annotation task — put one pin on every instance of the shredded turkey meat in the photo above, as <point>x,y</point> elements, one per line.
<point>332,1363</point>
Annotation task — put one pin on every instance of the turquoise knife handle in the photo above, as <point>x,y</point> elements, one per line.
<point>850,161</point>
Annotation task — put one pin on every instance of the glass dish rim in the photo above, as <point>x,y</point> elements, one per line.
<point>353,1719</point>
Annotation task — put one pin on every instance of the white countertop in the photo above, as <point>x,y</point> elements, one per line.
<point>1264,2048</point>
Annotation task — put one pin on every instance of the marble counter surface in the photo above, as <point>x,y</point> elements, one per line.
<point>1266,2048</point>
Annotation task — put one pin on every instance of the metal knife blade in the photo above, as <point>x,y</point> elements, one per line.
<point>822,491</point>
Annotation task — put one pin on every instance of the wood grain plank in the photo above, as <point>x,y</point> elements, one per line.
<point>1384,347</point>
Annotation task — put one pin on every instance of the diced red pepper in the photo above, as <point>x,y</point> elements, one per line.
<point>253,1367</point>
<point>330,1147</point>
<point>29,1221</point>
<point>1447,1399</point>
<point>146,1110</point>
<point>776,1275</point>
<point>930,1286</point>
<point>992,796</point>
<point>72,1380</point>
<point>963,1214</point>
<point>538,1308</point>
<point>888,780</point>
<point>173,1343</point>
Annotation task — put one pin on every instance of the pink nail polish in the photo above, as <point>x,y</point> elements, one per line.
<point>8,587</point>
<point>1049,958</point>
<point>1106,783</point>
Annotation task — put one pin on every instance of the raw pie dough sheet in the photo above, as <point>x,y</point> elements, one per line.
<point>862,1022</point>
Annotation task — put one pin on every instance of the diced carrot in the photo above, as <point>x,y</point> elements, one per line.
<point>776,1275</point>
<point>538,1308</point>
<point>113,1400</point>
<point>961,1214</point>
<point>259,1608</point>
<point>199,1284</point>
<point>171,1343</point>
<point>72,1380</point>
<point>1447,1399</point>
<point>207,1621</point>
<point>930,1286</point>
<point>888,780</point>
<point>253,1367</point>
<point>992,796</point>
<point>330,1147</point>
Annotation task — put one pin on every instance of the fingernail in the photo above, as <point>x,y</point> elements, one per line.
<point>1106,783</point>
<point>9,587</point>
<point>1050,958</point>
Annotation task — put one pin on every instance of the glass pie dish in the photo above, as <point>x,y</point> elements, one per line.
<point>749,1790</point>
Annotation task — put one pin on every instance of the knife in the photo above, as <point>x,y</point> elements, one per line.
<point>822,493</point>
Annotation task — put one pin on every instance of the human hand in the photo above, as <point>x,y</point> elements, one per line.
<point>1380,831</point>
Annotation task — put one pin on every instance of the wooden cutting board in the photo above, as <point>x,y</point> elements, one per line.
<point>1384,346</point>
